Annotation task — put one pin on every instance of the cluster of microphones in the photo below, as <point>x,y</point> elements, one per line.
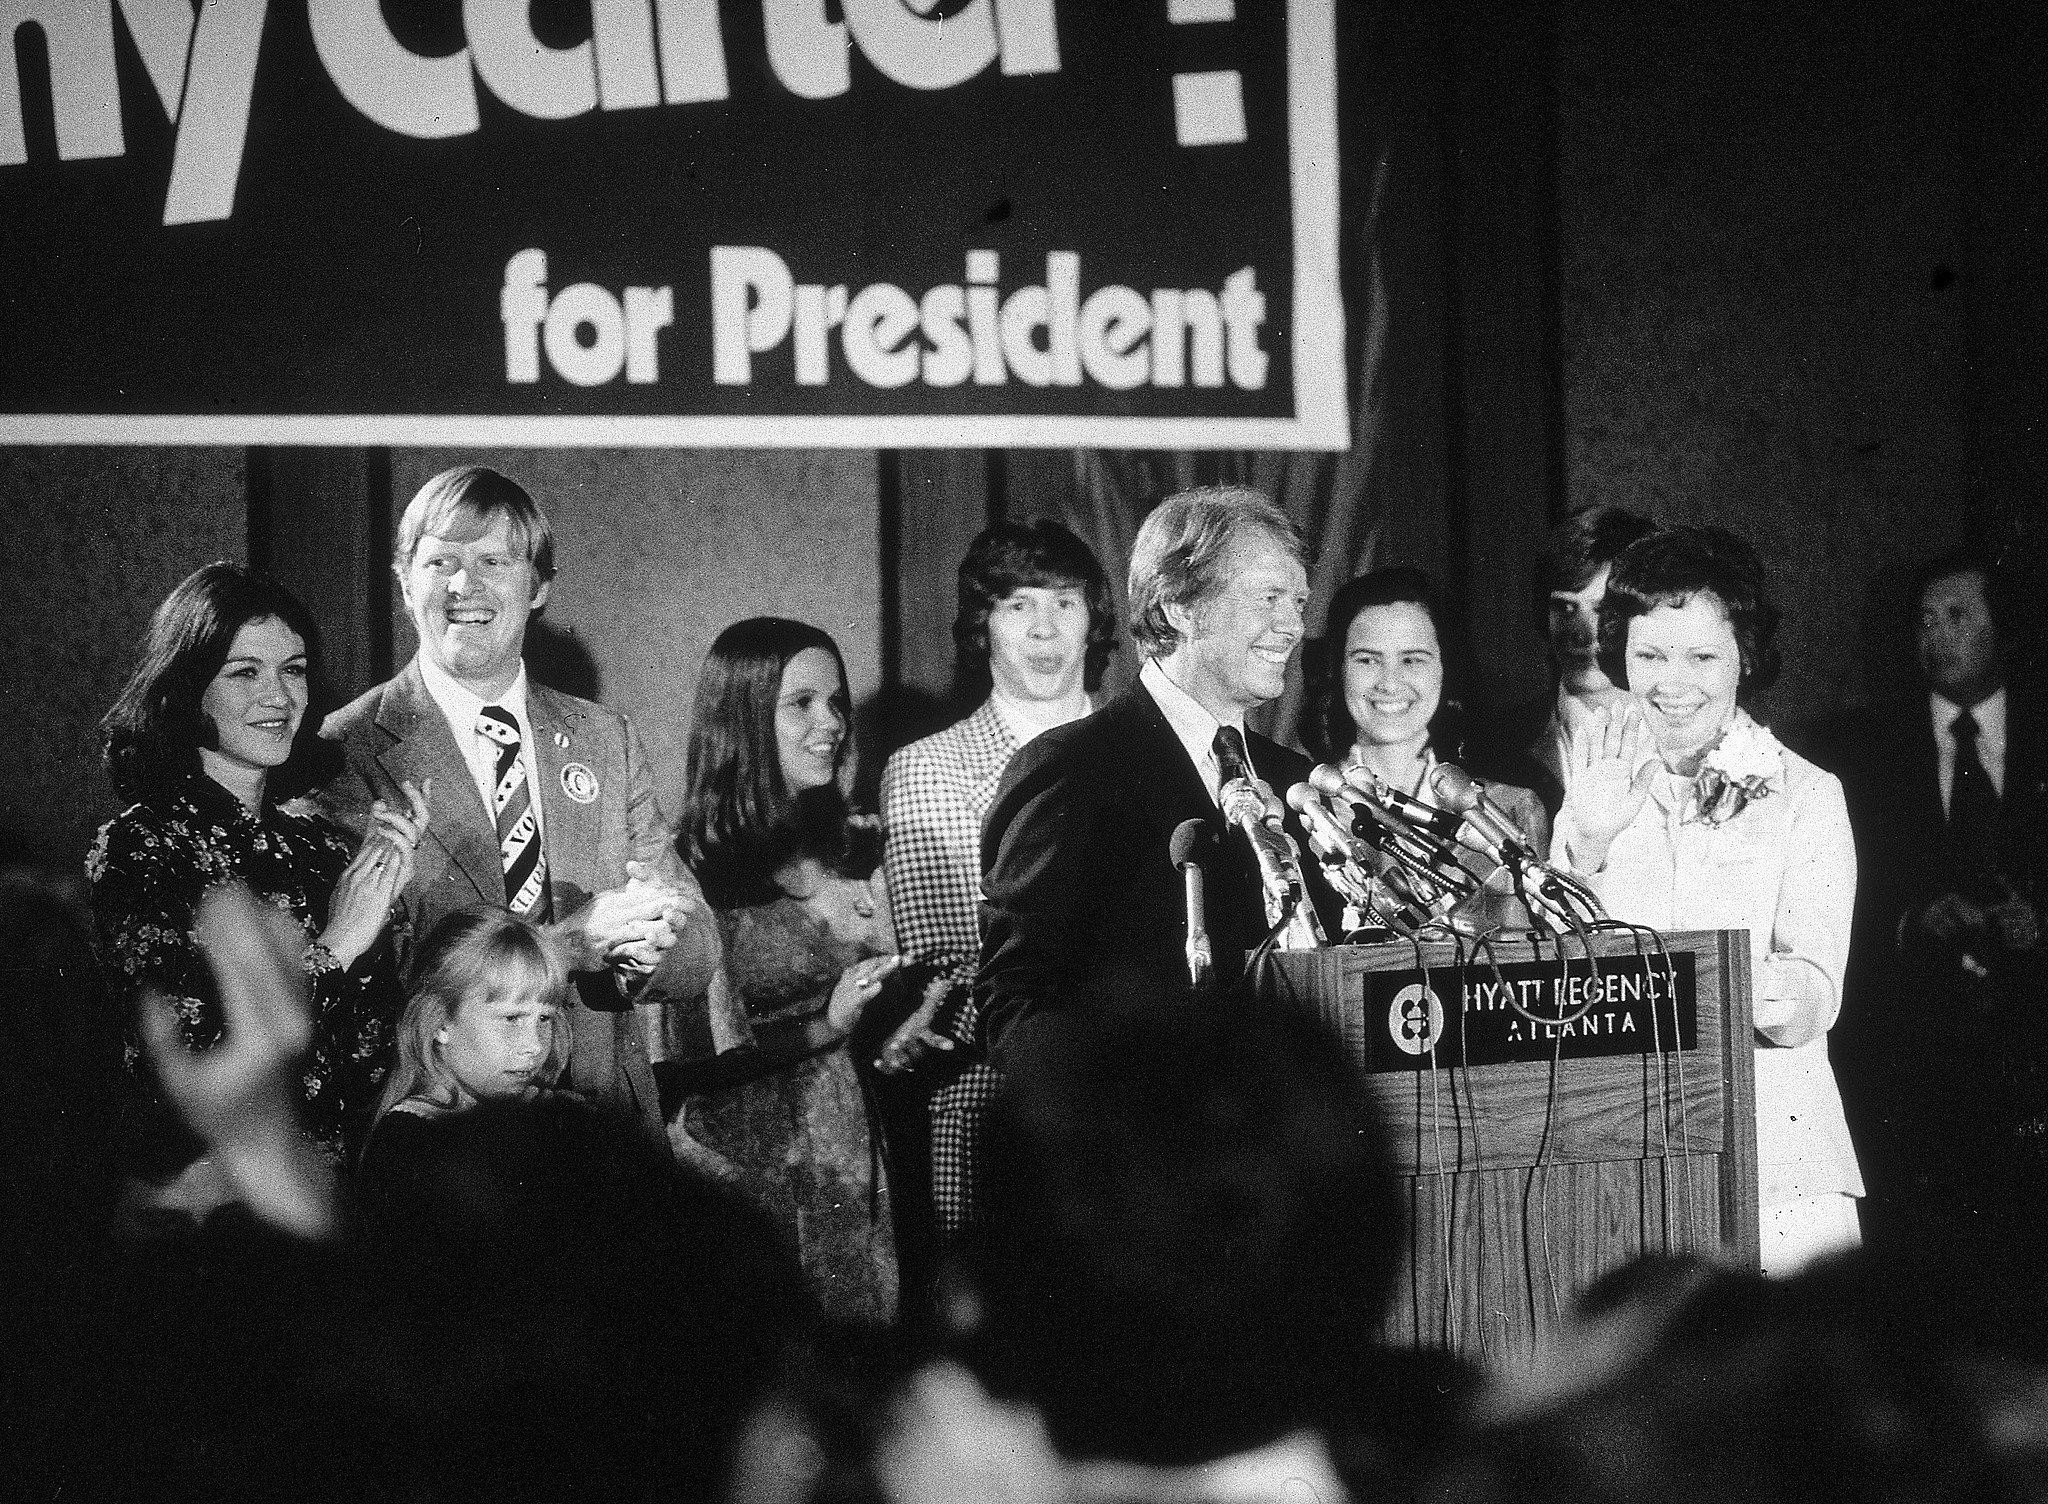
<point>1461,864</point>
<point>1403,865</point>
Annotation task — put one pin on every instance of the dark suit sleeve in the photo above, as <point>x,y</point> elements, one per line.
<point>1040,894</point>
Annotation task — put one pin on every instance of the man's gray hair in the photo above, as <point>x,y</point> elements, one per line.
<point>1177,559</point>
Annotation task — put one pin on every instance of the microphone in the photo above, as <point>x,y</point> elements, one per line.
<point>1485,822</point>
<point>1328,780</point>
<point>1406,820</point>
<point>1465,795</point>
<point>1244,805</point>
<point>1336,844</point>
<point>1379,839</point>
<point>1369,879</point>
<point>1326,833</point>
<point>1408,831</point>
<point>1431,824</point>
<point>1192,840</point>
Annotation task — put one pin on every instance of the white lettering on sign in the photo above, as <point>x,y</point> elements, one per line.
<point>620,332</point>
<point>1043,334</point>
<point>203,68</point>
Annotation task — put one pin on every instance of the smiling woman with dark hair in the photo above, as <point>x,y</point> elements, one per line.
<point>209,733</point>
<point>1685,813</point>
<point>771,1099</point>
<point>1391,688</point>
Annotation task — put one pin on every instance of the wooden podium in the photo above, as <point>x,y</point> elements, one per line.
<point>1536,1157</point>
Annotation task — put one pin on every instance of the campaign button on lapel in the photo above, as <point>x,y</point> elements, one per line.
<point>579,783</point>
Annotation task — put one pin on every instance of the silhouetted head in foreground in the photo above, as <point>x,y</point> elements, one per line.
<point>1683,1381</point>
<point>1191,1232</point>
<point>575,1319</point>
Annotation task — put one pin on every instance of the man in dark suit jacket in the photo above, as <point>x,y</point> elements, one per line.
<point>1080,893</point>
<point>1943,1062</point>
<point>550,812</point>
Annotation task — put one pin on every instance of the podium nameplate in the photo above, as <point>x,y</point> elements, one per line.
<point>1503,1015</point>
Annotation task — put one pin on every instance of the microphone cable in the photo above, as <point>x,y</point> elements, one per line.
<point>1670,970</point>
<point>1445,1186</point>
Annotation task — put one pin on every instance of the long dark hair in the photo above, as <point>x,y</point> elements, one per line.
<point>150,740</point>
<point>1327,727</point>
<point>740,821</point>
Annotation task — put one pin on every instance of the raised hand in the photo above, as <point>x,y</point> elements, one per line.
<point>1608,776</point>
<point>361,906</point>
<point>240,1095</point>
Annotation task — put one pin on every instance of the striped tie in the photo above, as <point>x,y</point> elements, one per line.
<point>526,869</point>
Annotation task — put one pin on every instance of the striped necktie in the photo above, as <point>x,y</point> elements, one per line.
<point>526,868</point>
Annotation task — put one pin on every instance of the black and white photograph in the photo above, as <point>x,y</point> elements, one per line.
<point>1037,751</point>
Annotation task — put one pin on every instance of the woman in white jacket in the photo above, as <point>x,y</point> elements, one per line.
<point>1685,813</point>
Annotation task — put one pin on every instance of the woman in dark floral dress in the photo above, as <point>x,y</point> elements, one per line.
<point>804,920</point>
<point>209,741</point>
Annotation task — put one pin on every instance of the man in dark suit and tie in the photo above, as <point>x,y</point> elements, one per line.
<point>542,802</point>
<point>1080,893</point>
<point>1947,796</point>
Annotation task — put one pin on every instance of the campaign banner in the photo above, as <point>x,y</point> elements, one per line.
<point>872,223</point>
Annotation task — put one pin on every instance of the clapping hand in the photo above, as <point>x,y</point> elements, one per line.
<point>1608,776</point>
<point>626,927</point>
<point>376,875</point>
<point>914,1039</point>
<point>859,985</point>
<point>2017,924</point>
<point>639,956</point>
<point>2013,925</point>
<point>240,1096</point>
<point>1952,917</point>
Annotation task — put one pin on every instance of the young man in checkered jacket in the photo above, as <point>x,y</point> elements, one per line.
<point>1034,631</point>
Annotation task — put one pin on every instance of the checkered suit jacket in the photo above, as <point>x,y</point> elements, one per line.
<point>935,794</point>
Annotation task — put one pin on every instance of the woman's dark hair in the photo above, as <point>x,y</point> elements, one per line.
<point>152,736</point>
<point>740,821</point>
<point>1668,569</point>
<point>1327,728</point>
<point>1008,557</point>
